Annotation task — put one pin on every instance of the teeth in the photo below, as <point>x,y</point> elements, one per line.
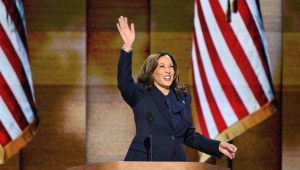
<point>167,77</point>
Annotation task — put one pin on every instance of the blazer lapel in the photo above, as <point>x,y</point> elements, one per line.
<point>182,123</point>
<point>160,104</point>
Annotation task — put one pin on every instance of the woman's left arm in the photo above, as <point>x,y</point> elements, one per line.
<point>207,145</point>
<point>201,143</point>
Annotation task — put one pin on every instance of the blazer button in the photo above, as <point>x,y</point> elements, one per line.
<point>172,137</point>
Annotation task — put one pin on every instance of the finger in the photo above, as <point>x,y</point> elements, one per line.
<point>120,31</point>
<point>228,155</point>
<point>230,147</point>
<point>233,148</point>
<point>122,23</point>
<point>132,28</point>
<point>232,155</point>
<point>126,22</point>
<point>119,28</point>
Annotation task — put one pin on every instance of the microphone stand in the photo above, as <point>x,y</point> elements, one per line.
<point>150,144</point>
<point>150,119</point>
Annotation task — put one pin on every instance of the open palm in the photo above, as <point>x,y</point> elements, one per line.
<point>127,34</point>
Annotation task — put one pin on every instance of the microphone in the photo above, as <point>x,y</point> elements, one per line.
<point>150,117</point>
<point>150,120</point>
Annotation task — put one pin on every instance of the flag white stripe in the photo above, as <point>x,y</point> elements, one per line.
<point>20,7</point>
<point>14,37</point>
<point>259,24</point>
<point>229,63</point>
<point>214,84</point>
<point>208,118</point>
<point>251,52</point>
<point>15,86</point>
<point>8,121</point>
<point>207,115</point>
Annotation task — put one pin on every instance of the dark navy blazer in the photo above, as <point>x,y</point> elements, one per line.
<point>167,141</point>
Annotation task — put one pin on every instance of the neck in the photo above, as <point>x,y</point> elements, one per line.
<point>164,90</point>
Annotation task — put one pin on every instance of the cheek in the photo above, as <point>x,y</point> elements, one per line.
<point>173,72</point>
<point>155,76</point>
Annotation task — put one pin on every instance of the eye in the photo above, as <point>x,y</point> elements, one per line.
<point>172,66</point>
<point>161,66</point>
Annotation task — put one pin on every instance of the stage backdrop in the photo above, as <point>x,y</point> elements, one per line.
<point>74,48</point>
<point>163,25</point>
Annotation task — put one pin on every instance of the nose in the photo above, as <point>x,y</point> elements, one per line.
<point>168,70</point>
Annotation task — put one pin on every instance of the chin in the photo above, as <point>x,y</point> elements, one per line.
<point>167,86</point>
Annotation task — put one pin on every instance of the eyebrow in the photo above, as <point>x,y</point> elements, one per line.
<point>164,64</point>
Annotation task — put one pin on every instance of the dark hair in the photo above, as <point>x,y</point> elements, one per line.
<point>148,68</point>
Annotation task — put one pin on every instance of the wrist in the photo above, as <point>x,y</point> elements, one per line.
<point>220,145</point>
<point>127,48</point>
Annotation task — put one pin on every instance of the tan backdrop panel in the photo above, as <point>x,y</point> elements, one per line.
<point>291,86</point>
<point>109,119</point>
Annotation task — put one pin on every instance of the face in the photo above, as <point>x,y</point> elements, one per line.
<point>163,75</point>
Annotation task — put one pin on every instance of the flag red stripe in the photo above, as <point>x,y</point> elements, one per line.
<point>12,103</point>
<point>4,136</point>
<point>238,53</point>
<point>220,123</point>
<point>227,86</point>
<point>254,33</point>
<point>15,62</point>
<point>16,17</point>
<point>202,123</point>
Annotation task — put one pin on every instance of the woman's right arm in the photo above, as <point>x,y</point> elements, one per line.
<point>125,81</point>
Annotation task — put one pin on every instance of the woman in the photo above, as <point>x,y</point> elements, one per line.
<point>161,108</point>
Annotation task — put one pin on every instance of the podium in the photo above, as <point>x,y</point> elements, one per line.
<point>133,165</point>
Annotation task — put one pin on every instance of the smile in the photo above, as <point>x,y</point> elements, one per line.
<point>167,78</point>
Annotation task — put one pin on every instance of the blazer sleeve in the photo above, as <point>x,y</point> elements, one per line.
<point>199,142</point>
<point>130,90</point>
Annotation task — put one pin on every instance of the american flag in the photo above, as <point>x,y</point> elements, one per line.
<point>18,119</point>
<point>232,83</point>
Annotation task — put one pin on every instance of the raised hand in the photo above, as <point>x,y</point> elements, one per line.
<point>127,34</point>
<point>227,149</point>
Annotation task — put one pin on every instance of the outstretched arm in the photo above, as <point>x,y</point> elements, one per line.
<point>127,34</point>
<point>126,83</point>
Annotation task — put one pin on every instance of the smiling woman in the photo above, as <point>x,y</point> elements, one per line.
<point>156,95</point>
